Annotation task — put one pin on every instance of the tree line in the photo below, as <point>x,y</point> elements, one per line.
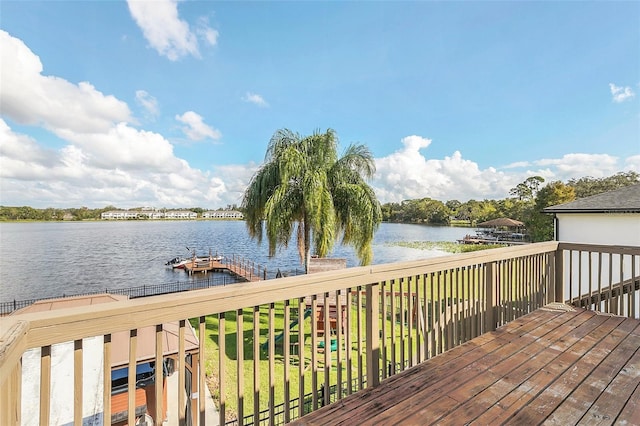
<point>26,213</point>
<point>525,204</point>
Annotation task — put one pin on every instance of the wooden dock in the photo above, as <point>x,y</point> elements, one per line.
<point>478,240</point>
<point>243,270</point>
<point>204,266</point>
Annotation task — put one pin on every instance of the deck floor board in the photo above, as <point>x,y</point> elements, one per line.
<point>550,366</point>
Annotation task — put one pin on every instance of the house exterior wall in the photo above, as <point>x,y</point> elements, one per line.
<point>599,228</point>
<point>586,271</point>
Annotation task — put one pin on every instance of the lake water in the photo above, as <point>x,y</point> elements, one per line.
<point>49,259</point>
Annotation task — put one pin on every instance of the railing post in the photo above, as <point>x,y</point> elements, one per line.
<point>373,335</point>
<point>490,319</point>
<point>558,276</point>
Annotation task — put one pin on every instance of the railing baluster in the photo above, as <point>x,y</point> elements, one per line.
<point>222,370</point>
<point>393,328</point>
<point>439,321</point>
<point>240,365</point>
<point>45,384</point>
<point>348,341</point>
<point>430,315</point>
<point>157,409</point>
<point>78,371</point>
<point>384,347</point>
<point>373,335</point>
<point>599,281</point>
<point>610,286</point>
<point>632,292</point>
<point>417,314</point>
<point>589,304</point>
<point>131,385</point>
<point>314,351</point>
<point>449,322</point>
<point>426,335</point>
<point>286,349</point>
<point>459,308</point>
<point>201,371</point>
<point>621,309</point>
<point>326,314</point>
<point>409,319</point>
<point>106,373</point>
<point>359,337</point>
<point>403,318</point>
<point>182,369</point>
<point>10,397</point>
<point>272,355</point>
<point>491,298</point>
<point>256,364</point>
<point>301,358</point>
<point>339,341</point>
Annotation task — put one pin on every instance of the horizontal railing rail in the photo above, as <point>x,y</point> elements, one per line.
<point>270,343</point>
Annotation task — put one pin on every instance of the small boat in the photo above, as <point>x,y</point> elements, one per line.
<point>179,262</point>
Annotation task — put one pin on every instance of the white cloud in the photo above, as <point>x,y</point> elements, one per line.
<point>148,102</point>
<point>195,128</point>
<point>408,174</point>
<point>633,163</point>
<point>105,160</point>
<point>30,98</point>
<point>517,164</point>
<point>621,94</point>
<point>579,165</point>
<point>205,32</point>
<point>169,35</point>
<point>112,168</point>
<point>256,99</point>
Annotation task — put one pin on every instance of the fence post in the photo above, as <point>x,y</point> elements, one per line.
<point>373,335</point>
<point>490,319</point>
<point>558,276</point>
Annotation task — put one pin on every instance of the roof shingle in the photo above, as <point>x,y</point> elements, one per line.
<point>623,200</point>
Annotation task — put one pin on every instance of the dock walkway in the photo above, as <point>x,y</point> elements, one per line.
<point>243,270</point>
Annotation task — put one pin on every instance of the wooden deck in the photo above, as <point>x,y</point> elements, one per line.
<point>556,365</point>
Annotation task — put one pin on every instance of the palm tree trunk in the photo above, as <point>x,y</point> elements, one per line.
<point>307,244</point>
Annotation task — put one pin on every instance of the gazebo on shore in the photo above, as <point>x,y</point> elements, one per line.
<point>502,229</point>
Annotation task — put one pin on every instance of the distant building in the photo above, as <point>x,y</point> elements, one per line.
<point>119,215</point>
<point>180,214</point>
<point>151,214</point>
<point>223,214</point>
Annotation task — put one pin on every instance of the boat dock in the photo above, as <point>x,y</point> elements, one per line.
<point>247,271</point>
<point>471,239</point>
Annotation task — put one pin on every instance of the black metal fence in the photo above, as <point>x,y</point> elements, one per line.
<point>154,289</point>
<point>134,292</point>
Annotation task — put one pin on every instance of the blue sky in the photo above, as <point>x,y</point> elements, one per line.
<point>172,104</point>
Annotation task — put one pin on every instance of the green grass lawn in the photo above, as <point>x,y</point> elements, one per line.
<point>231,351</point>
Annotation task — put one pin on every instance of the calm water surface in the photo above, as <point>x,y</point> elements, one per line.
<point>50,259</point>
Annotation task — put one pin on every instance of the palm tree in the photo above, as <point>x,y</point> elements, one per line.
<point>304,187</point>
